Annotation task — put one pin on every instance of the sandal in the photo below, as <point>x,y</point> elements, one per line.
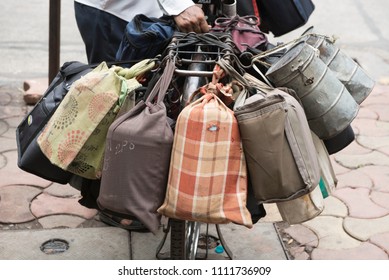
<point>116,222</point>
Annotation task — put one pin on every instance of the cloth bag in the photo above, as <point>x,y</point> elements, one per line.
<point>244,31</point>
<point>145,37</point>
<point>277,142</point>
<point>136,160</point>
<point>328,179</point>
<point>30,157</point>
<point>283,16</point>
<point>207,177</point>
<point>74,138</point>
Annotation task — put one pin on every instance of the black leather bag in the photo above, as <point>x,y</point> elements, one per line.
<point>30,157</point>
<point>282,16</point>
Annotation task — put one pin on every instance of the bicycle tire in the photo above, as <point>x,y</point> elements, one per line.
<point>184,239</point>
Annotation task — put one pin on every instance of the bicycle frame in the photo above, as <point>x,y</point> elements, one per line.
<point>195,57</point>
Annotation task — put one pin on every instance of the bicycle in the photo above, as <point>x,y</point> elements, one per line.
<point>195,56</point>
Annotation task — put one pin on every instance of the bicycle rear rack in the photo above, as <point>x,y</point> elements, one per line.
<point>202,50</point>
<point>195,56</point>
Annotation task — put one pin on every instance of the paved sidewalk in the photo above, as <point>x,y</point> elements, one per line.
<point>354,224</point>
<point>34,211</point>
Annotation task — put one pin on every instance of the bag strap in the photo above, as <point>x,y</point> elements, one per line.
<point>230,70</point>
<point>163,83</point>
<point>231,23</point>
<point>66,71</point>
<point>189,39</point>
<point>159,88</point>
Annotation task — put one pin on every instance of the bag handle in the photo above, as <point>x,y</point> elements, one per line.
<point>225,24</point>
<point>163,83</point>
<point>247,79</point>
<point>227,67</point>
<point>191,38</point>
<point>67,72</point>
<point>159,88</point>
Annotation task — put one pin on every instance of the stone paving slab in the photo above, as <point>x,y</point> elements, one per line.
<point>356,161</point>
<point>365,251</point>
<point>380,198</point>
<point>363,229</point>
<point>45,205</point>
<point>371,127</point>
<point>144,245</point>
<point>347,179</point>
<point>379,175</point>
<point>61,221</point>
<point>381,240</point>
<point>62,190</point>
<point>330,233</point>
<point>106,243</point>
<point>384,150</point>
<point>11,174</point>
<point>334,207</point>
<point>7,144</point>
<point>359,203</point>
<point>302,235</point>
<point>262,242</point>
<point>373,142</point>
<point>15,203</point>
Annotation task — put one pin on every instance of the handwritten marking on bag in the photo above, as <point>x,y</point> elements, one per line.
<point>124,145</point>
<point>118,149</point>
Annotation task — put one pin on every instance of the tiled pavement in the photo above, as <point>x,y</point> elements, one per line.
<point>27,201</point>
<point>354,224</point>
<point>31,204</point>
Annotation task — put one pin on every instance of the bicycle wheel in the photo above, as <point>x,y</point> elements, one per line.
<point>184,239</point>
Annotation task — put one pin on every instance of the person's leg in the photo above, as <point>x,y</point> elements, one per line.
<point>100,31</point>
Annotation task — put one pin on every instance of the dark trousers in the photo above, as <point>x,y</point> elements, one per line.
<point>100,31</point>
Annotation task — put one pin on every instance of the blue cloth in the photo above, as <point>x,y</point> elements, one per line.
<point>145,37</point>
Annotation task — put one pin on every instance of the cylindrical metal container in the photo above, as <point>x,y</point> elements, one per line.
<point>328,105</point>
<point>302,209</point>
<point>346,69</point>
<point>340,141</point>
<point>229,8</point>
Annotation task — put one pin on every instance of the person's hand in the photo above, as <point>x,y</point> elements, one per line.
<point>192,20</point>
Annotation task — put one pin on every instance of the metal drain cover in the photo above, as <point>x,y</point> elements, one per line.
<point>54,246</point>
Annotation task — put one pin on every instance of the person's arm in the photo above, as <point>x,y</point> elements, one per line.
<point>188,16</point>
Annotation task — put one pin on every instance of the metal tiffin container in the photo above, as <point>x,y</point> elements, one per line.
<point>328,105</point>
<point>303,208</point>
<point>346,69</point>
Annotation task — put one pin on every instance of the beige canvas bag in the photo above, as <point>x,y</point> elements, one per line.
<point>281,157</point>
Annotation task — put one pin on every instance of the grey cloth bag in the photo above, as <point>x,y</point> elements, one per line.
<point>137,157</point>
<point>280,154</point>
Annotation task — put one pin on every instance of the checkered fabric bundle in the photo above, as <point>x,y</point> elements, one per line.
<point>207,177</point>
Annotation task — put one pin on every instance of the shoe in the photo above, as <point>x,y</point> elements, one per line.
<point>116,222</point>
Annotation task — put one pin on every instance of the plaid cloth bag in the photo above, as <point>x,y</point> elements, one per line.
<point>207,177</point>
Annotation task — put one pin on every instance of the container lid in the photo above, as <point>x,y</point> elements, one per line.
<point>288,57</point>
